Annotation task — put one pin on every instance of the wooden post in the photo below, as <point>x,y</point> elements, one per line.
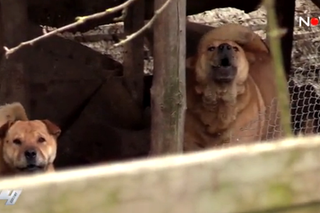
<point>133,62</point>
<point>1,34</point>
<point>168,95</point>
<point>15,19</point>
<point>14,84</point>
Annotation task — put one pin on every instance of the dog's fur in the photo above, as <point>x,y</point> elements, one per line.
<point>242,110</point>
<point>20,138</point>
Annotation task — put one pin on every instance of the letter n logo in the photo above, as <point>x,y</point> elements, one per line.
<point>10,198</point>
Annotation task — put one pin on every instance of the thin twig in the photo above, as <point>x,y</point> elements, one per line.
<point>275,47</point>
<point>79,21</point>
<point>123,15</point>
<point>146,26</point>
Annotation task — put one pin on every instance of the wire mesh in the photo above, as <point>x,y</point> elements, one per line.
<point>304,93</point>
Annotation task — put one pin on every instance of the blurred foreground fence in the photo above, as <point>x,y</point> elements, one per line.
<point>268,177</point>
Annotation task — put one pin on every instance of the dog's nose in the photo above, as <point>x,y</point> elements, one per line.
<point>224,47</point>
<point>225,54</point>
<point>30,154</point>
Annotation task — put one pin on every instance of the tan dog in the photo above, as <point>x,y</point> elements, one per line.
<point>229,94</point>
<point>261,70</point>
<point>26,146</point>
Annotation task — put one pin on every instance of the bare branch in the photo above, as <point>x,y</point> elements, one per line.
<point>149,24</point>
<point>79,21</point>
<point>123,15</point>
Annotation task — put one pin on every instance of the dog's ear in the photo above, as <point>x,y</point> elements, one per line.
<point>53,129</point>
<point>245,38</point>
<point>4,128</point>
<point>191,62</point>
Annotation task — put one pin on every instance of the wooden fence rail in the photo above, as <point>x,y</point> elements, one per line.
<point>270,177</point>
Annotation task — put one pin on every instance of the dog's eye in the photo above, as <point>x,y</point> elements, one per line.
<point>236,49</point>
<point>41,140</point>
<point>17,141</point>
<point>212,48</point>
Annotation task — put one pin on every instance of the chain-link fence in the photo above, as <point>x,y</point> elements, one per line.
<point>304,93</point>
<point>304,90</point>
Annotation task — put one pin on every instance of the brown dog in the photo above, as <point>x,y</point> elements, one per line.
<point>27,146</point>
<point>231,93</point>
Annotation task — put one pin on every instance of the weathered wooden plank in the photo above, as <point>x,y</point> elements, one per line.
<point>168,91</point>
<point>309,208</point>
<point>133,54</point>
<point>240,179</point>
<point>313,207</point>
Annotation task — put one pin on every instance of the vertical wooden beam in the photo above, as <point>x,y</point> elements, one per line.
<point>133,62</point>
<point>15,19</point>
<point>168,95</point>
<point>1,34</point>
<point>14,85</point>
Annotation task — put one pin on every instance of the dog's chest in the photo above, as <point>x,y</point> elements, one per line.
<point>217,117</point>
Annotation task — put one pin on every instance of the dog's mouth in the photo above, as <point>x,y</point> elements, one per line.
<point>225,62</point>
<point>224,73</point>
<point>31,168</point>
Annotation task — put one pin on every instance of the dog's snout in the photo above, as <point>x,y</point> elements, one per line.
<point>30,154</point>
<point>225,54</point>
<point>224,47</point>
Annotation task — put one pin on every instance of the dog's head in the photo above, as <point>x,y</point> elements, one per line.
<point>220,62</point>
<point>29,146</point>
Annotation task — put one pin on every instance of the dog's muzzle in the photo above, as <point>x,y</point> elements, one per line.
<point>225,71</point>
<point>32,165</point>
